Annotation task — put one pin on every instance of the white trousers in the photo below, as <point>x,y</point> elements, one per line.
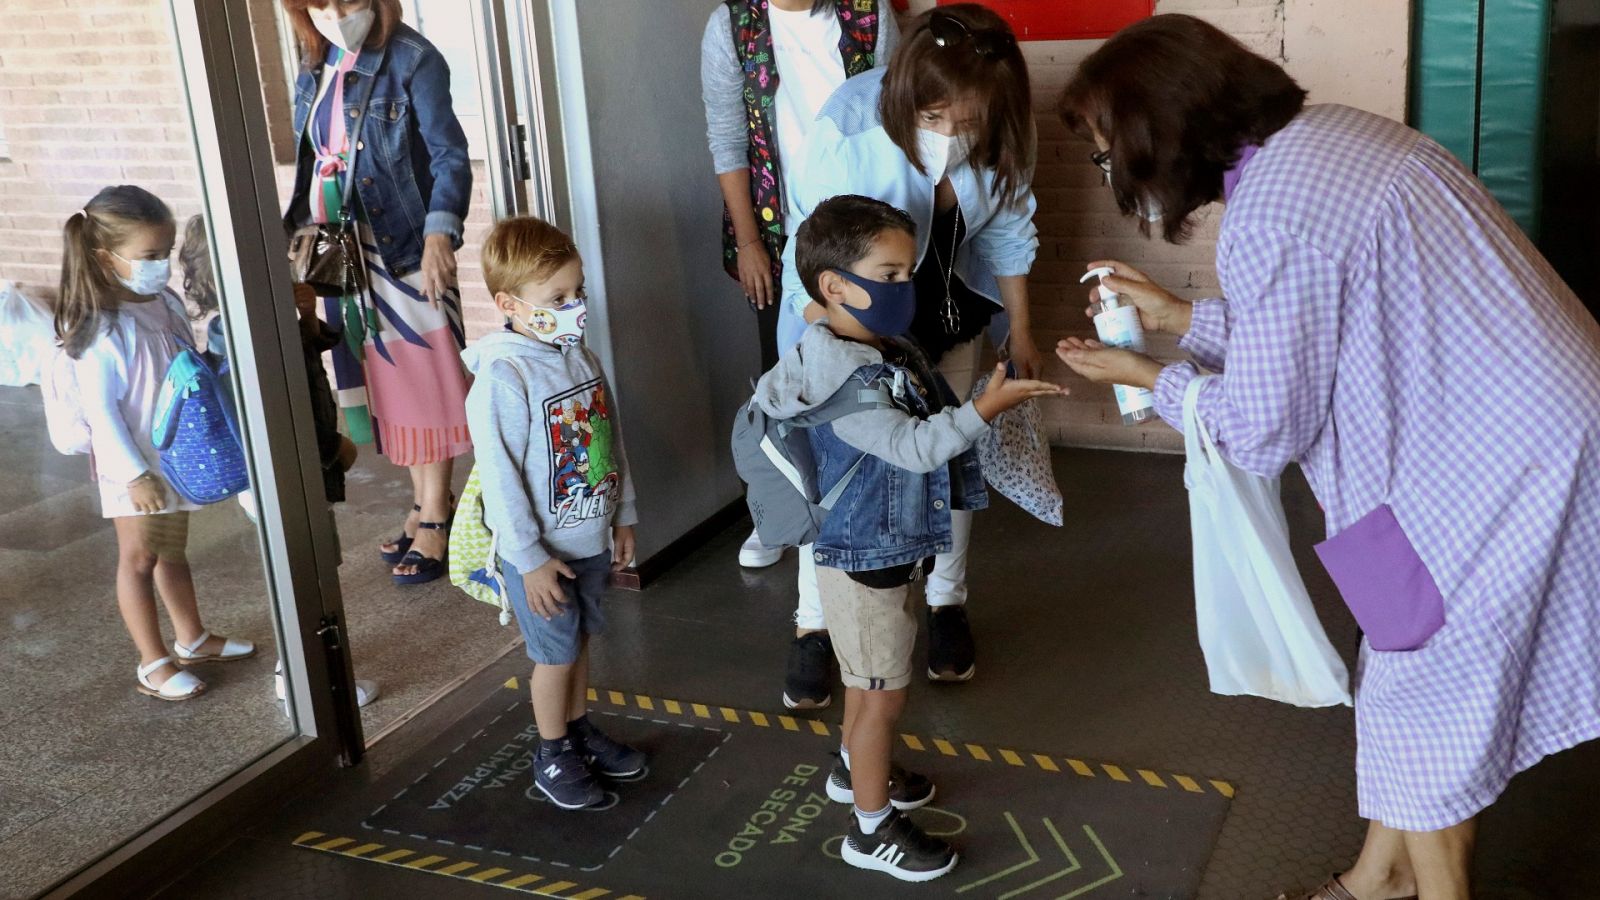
<point>947,584</point>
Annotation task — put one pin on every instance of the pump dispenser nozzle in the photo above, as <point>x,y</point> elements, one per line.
<point>1100,272</point>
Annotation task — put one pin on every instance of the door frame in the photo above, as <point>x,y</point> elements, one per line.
<point>299,547</point>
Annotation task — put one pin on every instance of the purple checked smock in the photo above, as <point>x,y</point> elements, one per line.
<point>1388,327</point>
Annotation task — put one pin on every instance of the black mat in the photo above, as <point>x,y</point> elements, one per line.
<point>733,805</point>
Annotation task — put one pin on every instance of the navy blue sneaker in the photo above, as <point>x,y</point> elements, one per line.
<point>565,778</point>
<point>609,757</point>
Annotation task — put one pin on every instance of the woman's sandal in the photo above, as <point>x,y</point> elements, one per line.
<point>1332,889</point>
<point>402,544</point>
<point>181,686</point>
<point>232,649</point>
<point>428,568</point>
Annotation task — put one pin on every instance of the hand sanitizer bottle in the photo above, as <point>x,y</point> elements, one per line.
<point>1117,324</point>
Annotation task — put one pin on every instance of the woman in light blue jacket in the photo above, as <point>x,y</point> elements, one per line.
<point>945,133</point>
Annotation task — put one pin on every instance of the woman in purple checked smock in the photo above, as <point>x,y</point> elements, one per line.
<point>1385,325</point>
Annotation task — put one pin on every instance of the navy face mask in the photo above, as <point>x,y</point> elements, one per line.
<point>894,305</point>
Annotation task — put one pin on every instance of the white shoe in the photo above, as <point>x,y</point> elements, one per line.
<point>755,555</point>
<point>366,691</point>
<point>247,500</point>
<point>232,649</point>
<point>181,686</point>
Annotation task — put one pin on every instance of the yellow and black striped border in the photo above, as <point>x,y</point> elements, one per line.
<point>1053,764</point>
<point>494,876</point>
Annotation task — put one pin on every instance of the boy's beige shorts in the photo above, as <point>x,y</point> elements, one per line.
<point>873,630</point>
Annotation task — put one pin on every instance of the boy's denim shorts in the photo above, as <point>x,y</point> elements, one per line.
<point>557,642</point>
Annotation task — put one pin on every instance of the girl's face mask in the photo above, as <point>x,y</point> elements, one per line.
<point>561,326</point>
<point>941,152</point>
<point>145,277</point>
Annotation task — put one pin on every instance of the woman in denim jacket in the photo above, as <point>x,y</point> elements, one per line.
<point>398,366</point>
<point>946,133</point>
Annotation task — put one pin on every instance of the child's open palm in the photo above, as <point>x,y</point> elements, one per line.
<point>1005,393</point>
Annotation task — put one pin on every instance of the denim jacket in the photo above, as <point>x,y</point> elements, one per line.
<point>413,175</point>
<point>916,459</point>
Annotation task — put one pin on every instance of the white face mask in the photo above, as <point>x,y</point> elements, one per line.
<point>348,33</point>
<point>146,276</point>
<point>561,327</point>
<point>1149,210</point>
<point>940,152</point>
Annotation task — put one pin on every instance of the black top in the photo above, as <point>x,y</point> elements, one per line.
<point>973,310</point>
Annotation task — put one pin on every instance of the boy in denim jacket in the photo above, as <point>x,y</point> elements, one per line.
<point>855,256</point>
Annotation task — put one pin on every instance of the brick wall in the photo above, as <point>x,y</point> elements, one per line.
<point>89,96</point>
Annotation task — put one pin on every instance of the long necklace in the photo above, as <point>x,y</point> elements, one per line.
<point>948,313</point>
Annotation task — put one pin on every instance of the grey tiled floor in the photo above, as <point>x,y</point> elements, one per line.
<point>1087,648</point>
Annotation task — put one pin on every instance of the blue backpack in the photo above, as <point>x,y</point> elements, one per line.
<point>196,429</point>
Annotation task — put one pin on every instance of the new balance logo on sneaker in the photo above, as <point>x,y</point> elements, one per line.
<point>565,778</point>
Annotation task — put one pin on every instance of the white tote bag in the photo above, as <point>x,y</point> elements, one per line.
<point>27,337</point>
<point>1258,629</point>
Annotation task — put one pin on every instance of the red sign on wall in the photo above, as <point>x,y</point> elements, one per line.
<point>1067,20</point>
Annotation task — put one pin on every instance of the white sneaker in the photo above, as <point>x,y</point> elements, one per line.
<point>366,691</point>
<point>755,555</point>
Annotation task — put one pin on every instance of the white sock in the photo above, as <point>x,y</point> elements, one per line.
<point>869,822</point>
<point>844,754</point>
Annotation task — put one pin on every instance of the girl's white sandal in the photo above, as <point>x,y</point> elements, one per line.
<point>232,648</point>
<point>181,686</point>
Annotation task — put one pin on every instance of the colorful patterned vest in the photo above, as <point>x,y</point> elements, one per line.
<point>752,41</point>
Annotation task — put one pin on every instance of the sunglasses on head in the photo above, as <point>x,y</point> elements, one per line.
<point>949,31</point>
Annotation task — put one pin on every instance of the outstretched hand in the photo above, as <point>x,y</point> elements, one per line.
<point>1109,365</point>
<point>1004,393</point>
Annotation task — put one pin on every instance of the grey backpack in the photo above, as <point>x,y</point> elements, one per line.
<point>773,457</point>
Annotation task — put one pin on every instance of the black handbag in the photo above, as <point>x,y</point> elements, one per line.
<point>327,256</point>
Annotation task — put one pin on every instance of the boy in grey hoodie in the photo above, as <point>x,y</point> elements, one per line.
<point>556,491</point>
<point>912,465</point>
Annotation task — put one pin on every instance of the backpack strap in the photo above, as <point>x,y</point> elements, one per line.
<point>848,400</point>
<point>833,495</point>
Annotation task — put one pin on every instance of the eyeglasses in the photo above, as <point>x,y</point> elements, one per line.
<point>1102,158</point>
<point>949,31</point>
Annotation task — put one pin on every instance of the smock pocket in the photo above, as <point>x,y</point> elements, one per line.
<point>1384,582</point>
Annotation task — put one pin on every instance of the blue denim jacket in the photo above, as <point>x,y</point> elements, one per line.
<point>413,174</point>
<point>890,516</point>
